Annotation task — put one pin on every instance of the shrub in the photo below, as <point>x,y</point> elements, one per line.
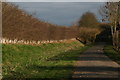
<point>88,35</point>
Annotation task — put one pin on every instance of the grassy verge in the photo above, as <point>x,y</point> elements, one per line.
<point>110,52</point>
<point>53,60</point>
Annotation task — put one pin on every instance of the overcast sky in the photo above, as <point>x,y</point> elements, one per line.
<point>61,0</point>
<point>60,13</point>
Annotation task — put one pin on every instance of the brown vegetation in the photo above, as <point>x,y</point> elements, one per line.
<point>17,24</point>
<point>88,35</point>
<point>88,28</point>
<point>88,19</point>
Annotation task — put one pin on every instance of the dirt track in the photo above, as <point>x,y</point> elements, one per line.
<point>94,64</point>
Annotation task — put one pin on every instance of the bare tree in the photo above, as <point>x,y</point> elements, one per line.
<point>111,13</point>
<point>88,19</point>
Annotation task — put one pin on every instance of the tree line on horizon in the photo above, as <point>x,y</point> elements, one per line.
<point>18,24</point>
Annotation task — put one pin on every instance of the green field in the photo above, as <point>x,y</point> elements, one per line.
<point>112,54</point>
<point>53,60</point>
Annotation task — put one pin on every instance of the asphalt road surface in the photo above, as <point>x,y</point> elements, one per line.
<point>94,64</point>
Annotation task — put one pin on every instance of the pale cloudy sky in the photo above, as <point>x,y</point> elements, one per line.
<point>59,0</point>
<point>60,13</point>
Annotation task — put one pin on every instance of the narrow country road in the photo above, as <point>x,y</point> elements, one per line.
<point>94,64</point>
